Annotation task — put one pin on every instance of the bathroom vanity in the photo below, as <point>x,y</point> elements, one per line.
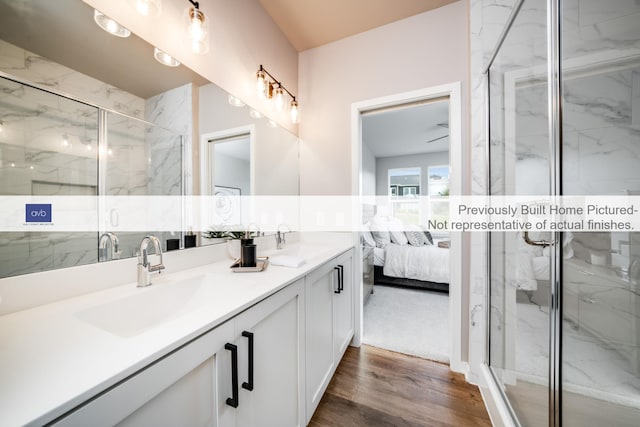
<point>203,346</point>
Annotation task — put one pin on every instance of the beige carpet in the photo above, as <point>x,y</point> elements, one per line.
<point>410,321</point>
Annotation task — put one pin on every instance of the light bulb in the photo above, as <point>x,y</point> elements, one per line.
<point>88,147</point>
<point>164,58</point>
<point>279,99</point>
<point>148,7</point>
<point>65,140</point>
<point>143,7</point>
<point>13,165</point>
<point>112,26</point>
<point>294,112</point>
<point>197,28</point>
<point>261,84</point>
<point>109,25</point>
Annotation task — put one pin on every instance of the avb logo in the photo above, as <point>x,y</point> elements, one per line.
<point>38,212</point>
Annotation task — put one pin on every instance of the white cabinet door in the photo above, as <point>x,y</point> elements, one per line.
<point>343,305</point>
<point>319,288</point>
<point>270,342</point>
<point>188,387</point>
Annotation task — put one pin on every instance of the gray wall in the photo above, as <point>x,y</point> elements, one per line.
<point>233,172</point>
<point>383,164</point>
<point>368,172</point>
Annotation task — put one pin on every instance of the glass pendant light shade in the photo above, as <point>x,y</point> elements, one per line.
<point>279,98</point>
<point>295,114</point>
<point>197,29</point>
<point>261,84</point>
<point>164,58</point>
<point>109,25</point>
<point>148,7</point>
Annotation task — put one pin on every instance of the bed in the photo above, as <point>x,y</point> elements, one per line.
<point>407,256</point>
<point>425,267</point>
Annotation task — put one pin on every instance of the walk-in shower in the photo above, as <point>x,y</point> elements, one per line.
<point>563,341</point>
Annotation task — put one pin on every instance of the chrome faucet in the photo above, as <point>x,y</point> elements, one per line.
<point>144,266</point>
<point>114,253</point>
<point>280,239</point>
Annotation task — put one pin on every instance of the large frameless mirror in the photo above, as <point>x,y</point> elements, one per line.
<point>88,113</point>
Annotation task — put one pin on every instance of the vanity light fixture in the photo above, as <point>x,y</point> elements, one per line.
<point>148,7</point>
<point>109,25</point>
<point>270,88</point>
<point>164,58</point>
<point>197,28</point>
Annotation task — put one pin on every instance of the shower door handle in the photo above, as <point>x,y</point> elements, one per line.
<point>541,243</point>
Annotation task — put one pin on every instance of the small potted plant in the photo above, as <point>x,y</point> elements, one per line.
<point>231,234</point>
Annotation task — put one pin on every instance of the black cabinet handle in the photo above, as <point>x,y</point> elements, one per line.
<point>248,385</point>
<point>336,268</point>
<point>341,280</point>
<point>233,401</point>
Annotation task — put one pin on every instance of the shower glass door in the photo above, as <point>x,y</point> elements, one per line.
<point>566,351</point>
<point>600,59</point>
<point>519,165</point>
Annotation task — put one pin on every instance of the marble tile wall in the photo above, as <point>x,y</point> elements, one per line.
<point>42,71</point>
<point>601,145</point>
<point>141,159</point>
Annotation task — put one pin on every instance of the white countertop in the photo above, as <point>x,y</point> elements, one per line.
<point>51,360</point>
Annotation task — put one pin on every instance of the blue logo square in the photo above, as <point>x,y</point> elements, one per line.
<point>38,212</point>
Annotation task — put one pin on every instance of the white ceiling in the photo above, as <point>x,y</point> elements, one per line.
<point>311,23</point>
<point>238,148</point>
<point>406,130</point>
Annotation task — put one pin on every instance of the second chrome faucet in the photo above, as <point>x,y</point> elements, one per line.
<point>145,268</point>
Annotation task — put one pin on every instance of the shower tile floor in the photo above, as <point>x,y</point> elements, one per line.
<point>589,367</point>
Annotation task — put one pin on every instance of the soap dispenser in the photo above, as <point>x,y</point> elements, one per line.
<point>247,251</point>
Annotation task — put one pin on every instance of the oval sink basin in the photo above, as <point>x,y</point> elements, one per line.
<point>139,312</point>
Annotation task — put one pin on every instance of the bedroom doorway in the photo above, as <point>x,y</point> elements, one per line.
<point>405,147</point>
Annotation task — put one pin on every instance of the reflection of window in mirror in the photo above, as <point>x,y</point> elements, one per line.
<point>404,192</point>
<point>230,162</point>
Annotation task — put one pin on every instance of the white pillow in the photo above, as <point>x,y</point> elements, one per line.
<point>380,232</point>
<point>367,237</point>
<point>398,237</point>
<point>396,229</point>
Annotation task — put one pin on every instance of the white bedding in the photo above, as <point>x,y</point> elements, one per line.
<point>378,257</point>
<point>428,263</point>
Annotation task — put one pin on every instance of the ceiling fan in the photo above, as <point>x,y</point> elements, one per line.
<point>442,125</point>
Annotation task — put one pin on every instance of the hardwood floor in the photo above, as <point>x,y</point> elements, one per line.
<point>376,387</point>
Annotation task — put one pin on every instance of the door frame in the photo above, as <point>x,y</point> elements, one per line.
<point>453,92</point>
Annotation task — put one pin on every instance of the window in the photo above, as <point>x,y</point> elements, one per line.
<point>404,194</point>
<point>438,183</point>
